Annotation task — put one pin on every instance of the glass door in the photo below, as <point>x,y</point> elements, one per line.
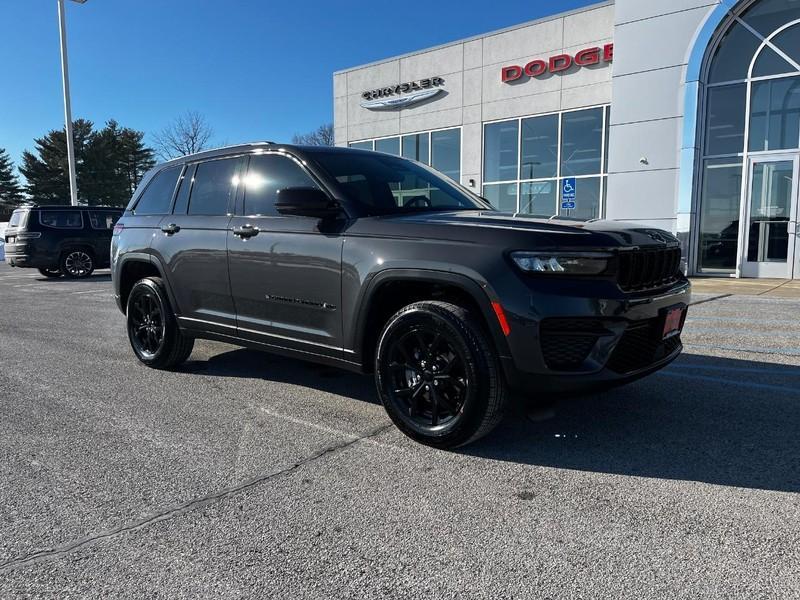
<point>770,218</point>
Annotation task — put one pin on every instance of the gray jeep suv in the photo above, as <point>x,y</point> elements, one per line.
<point>378,264</point>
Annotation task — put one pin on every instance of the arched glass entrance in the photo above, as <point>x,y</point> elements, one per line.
<point>749,193</point>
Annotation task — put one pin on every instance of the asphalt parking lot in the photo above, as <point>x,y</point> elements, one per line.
<point>248,475</point>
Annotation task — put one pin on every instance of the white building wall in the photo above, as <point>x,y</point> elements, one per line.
<point>475,93</point>
<point>653,40</point>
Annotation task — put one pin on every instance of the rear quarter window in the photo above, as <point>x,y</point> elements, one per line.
<point>157,196</point>
<point>61,219</point>
<point>103,219</point>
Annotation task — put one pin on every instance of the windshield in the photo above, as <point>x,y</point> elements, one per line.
<point>381,184</point>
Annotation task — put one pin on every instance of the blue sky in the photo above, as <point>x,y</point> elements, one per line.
<point>257,69</point>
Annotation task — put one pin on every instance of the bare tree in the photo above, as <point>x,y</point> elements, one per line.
<point>186,134</point>
<point>322,136</point>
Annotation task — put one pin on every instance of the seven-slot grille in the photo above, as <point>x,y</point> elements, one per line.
<point>644,269</point>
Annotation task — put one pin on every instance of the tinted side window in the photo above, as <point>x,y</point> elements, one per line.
<point>214,185</point>
<point>103,219</point>
<point>62,219</point>
<point>267,174</point>
<point>185,186</point>
<point>157,197</point>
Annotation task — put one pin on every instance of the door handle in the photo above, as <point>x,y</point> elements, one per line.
<point>170,229</point>
<point>246,231</point>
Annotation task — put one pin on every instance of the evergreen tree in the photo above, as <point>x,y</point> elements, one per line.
<point>110,163</point>
<point>135,159</point>
<point>48,173</point>
<point>10,189</point>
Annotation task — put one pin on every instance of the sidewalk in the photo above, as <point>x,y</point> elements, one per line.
<point>771,288</point>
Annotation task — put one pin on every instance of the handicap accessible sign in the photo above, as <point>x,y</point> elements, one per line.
<point>569,189</point>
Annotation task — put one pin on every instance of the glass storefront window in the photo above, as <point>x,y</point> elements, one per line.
<point>769,63</point>
<point>446,152</point>
<point>417,147</point>
<point>788,40</point>
<point>440,149</point>
<point>502,196</point>
<point>538,198</point>
<point>543,164</point>
<point>582,142</point>
<point>765,16</point>
<point>726,119</point>
<point>388,145</point>
<point>775,115</point>
<point>607,136</point>
<point>501,151</point>
<point>587,199</point>
<point>770,209</point>
<point>361,145</point>
<point>719,213</point>
<point>732,58</point>
<point>539,147</point>
<point>758,37</point>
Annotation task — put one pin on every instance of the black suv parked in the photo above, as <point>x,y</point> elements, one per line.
<point>378,264</point>
<point>61,240</point>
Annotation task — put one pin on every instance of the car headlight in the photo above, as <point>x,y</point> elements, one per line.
<point>578,263</point>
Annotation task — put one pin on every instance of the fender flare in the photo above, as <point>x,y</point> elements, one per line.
<point>481,294</point>
<point>144,257</point>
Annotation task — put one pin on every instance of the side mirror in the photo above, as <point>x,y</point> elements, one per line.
<point>306,202</point>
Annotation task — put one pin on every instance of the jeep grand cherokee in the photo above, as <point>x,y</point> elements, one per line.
<point>378,264</point>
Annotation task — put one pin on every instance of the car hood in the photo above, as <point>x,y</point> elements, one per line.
<point>556,232</point>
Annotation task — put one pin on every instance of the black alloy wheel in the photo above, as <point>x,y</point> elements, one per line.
<point>153,331</point>
<point>428,376</point>
<point>146,323</point>
<point>77,264</point>
<point>438,376</point>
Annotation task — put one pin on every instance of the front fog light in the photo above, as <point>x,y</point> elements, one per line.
<point>584,263</point>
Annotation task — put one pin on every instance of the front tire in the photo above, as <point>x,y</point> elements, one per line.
<point>50,272</point>
<point>438,375</point>
<point>77,263</point>
<point>152,328</point>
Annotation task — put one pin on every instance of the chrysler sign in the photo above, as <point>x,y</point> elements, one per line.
<point>402,95</point>
<point>558,63</point>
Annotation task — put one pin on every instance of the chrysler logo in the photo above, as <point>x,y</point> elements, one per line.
<point>403,95</point>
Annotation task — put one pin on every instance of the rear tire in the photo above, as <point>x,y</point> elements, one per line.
<point>77,263</point>
<point>56,272</point>
<point>152,328</point>
<point>438,375</point>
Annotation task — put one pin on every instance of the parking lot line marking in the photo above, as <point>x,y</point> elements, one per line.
<point>305,423</point>
<point>90,291</point>
<point>728,381</point>
<point>180,509</point>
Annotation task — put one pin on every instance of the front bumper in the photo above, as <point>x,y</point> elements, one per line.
<point>575,342</point>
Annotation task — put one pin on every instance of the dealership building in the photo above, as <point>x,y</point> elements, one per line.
<point>681,115</point>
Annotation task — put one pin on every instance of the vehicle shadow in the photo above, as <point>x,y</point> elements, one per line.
<point>93,278</point>
<point>706,419</point>
<point>253,364</point>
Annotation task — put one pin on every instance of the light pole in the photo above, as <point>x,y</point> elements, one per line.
<point>62,28</point>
